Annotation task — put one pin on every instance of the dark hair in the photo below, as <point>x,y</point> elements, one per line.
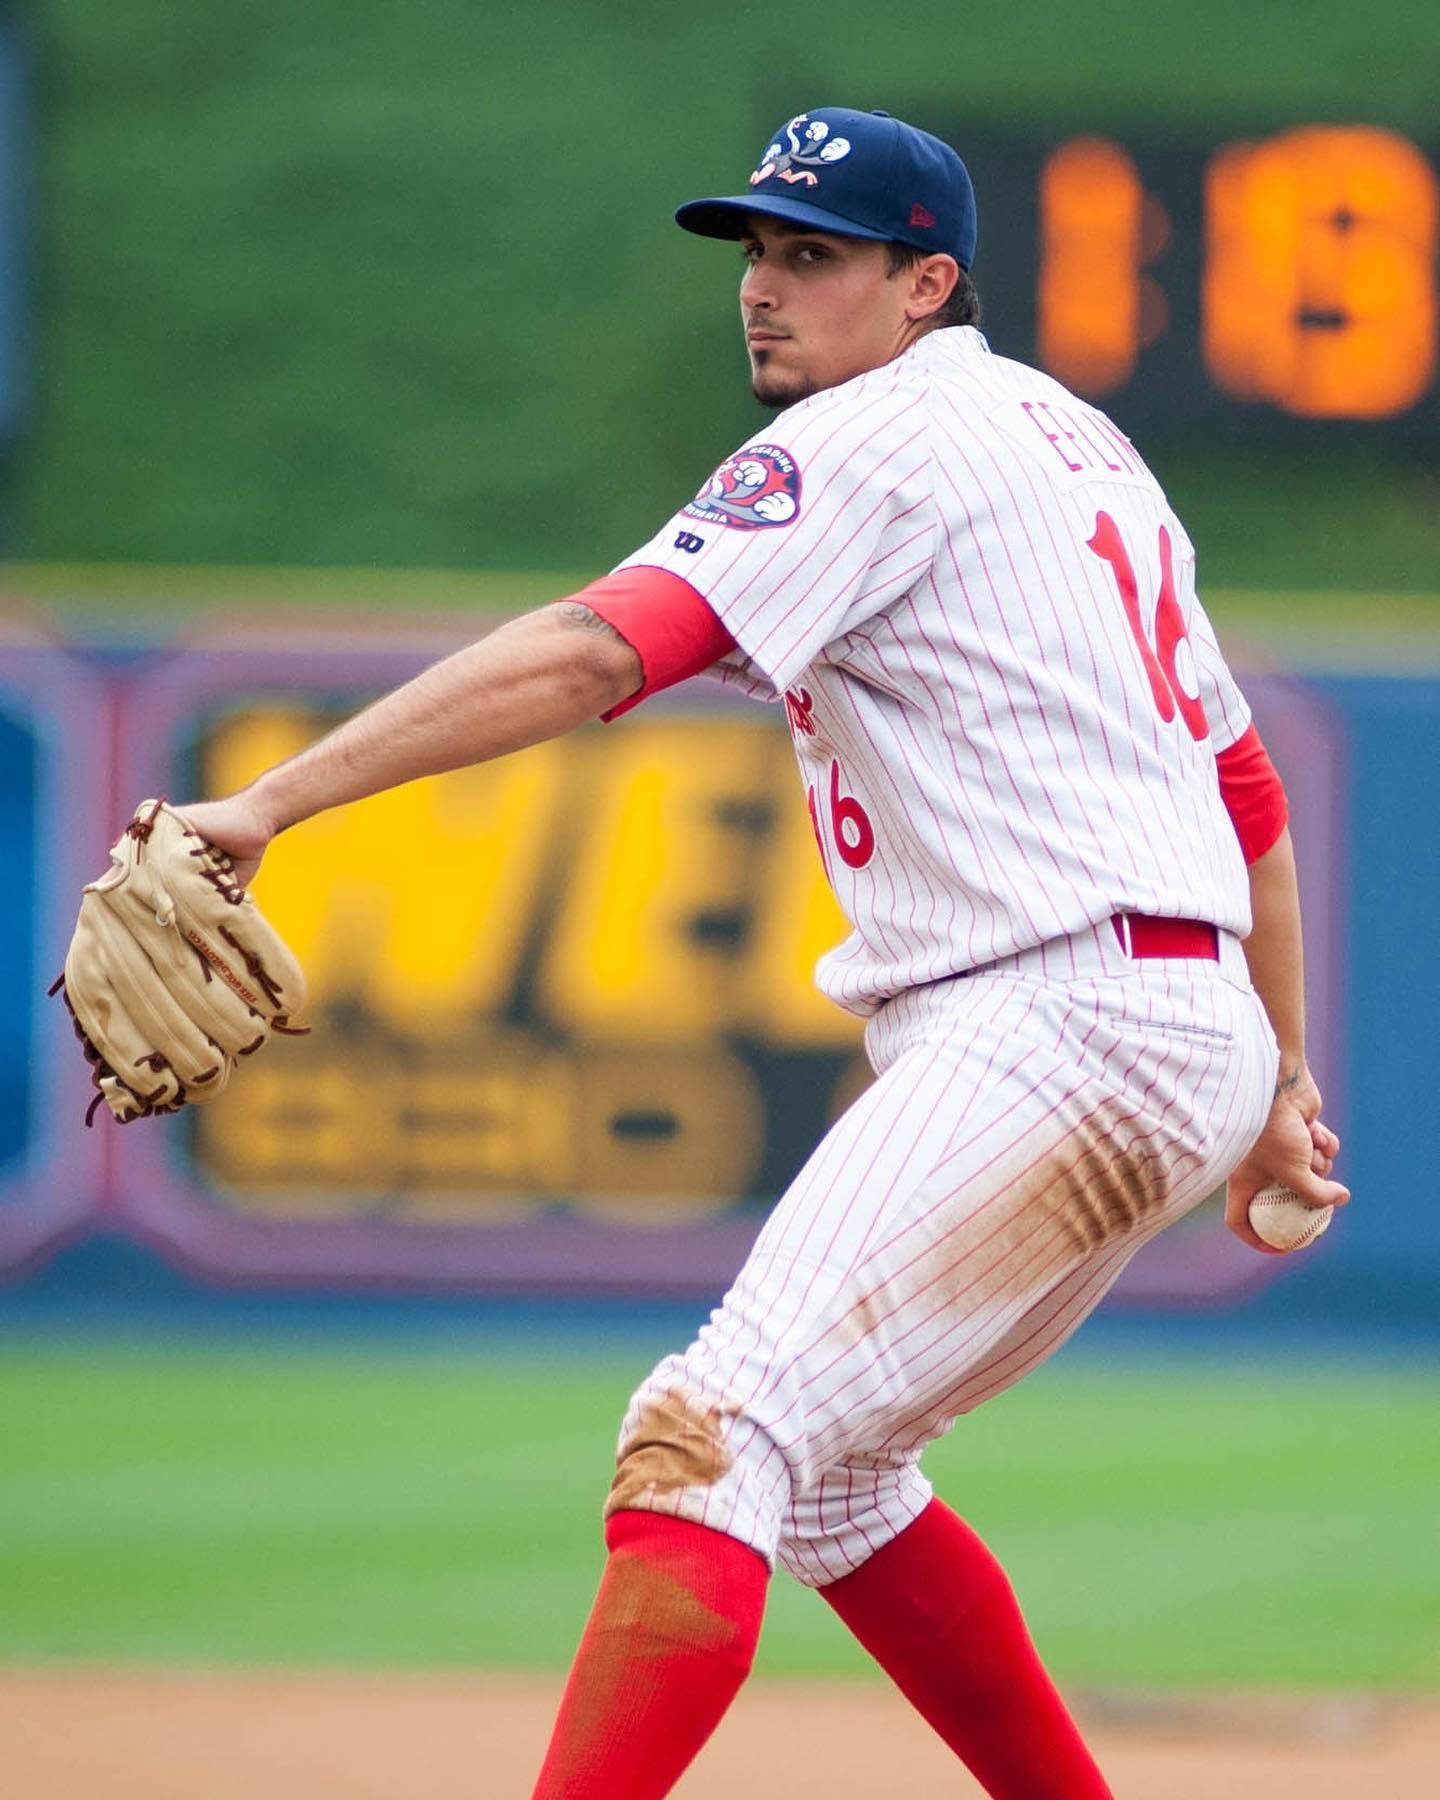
<point>963,305</point>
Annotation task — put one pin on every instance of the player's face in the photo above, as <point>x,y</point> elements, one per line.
<point>818,309</point>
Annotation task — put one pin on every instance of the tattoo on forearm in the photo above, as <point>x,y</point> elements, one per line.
<point>577,613</point>
<point>1287,1083</point>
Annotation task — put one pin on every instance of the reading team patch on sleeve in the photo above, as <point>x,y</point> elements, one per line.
<point>758,486</point>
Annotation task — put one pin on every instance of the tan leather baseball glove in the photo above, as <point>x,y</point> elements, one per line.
<point>173,972</point>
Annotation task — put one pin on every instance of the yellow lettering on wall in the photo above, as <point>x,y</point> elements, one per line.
<point>302,1137</point>
<point>415,902</point>
<point>663,1134</point>
<point>522,978</point>
<point>656,900</point>
<point>485,1125</point>
<point>485,1130</point>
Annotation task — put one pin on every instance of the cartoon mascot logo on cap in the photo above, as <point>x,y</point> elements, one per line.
<point>808,150</point>
<point>758,486</point>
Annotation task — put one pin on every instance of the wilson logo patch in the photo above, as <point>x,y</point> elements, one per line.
<point>756,487</point>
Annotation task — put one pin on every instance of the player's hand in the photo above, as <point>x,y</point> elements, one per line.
<point>1296,1150</point>
<point>235,825</point>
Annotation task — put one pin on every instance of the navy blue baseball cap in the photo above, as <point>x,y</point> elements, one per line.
<point>858,174</point>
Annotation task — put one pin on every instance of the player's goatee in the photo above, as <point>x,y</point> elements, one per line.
<point>771,391</point>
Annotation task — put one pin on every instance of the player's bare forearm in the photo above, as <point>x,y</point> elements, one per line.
<point>1274,950</point>
<point>532,679</point>
<point>1296,1150</point>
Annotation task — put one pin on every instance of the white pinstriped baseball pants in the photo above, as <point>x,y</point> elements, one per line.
<point>1030,1128</point>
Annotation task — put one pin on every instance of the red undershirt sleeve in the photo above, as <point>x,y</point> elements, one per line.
<point>664,621</point>
<point>1253,793</point>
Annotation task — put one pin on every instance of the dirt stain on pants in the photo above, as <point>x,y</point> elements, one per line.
<point>674,1443</point>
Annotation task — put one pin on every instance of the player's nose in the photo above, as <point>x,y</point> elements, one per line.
<point>757,288</point>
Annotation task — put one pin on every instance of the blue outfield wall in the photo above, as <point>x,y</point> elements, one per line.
<point>175,1207</point>
<point>1386,1249</point>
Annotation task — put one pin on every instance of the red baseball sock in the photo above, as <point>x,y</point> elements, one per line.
<point>936,1611</point>
<point>671,1637</point>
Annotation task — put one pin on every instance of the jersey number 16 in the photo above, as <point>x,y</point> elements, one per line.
<point>850,827</point>
<point>1159,659</point>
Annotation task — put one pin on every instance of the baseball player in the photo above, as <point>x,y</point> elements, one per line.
<point>1063,853</point>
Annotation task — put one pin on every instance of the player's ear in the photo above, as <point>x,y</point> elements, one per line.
<point>932,282</point>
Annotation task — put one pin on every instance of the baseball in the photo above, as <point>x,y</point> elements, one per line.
<point>1283,1221</point>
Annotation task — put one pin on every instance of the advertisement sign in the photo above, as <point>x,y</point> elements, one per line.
<point>565,1031</point>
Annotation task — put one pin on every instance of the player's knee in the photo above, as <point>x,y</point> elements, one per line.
<point>670,1440</point>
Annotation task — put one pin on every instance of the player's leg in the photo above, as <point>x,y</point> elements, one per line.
<point>669,1641</point>
<point>839,1521</point>
<point>937,1612</point>
<point>698,1504</point>
<point>917,1587</point>
<point>982,1173</point>
<point>925,1596</point>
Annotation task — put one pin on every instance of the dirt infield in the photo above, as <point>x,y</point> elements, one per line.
<point>99,1735</point>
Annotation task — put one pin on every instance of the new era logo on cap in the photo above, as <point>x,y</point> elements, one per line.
<point>858,174</point>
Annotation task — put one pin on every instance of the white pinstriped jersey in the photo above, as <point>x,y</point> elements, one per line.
<point>1004,695</point>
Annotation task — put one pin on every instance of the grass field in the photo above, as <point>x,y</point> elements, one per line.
<point>1168,1523</point>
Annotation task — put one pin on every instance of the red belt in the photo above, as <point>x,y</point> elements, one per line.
<point>1141,936</point>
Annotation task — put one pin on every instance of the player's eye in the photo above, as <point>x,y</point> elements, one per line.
<point>812,253</point>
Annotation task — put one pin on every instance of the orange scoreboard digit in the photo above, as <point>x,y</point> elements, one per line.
<point>1273,284</point>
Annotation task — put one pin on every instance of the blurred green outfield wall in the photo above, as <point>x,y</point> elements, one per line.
<point>365,284</point>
